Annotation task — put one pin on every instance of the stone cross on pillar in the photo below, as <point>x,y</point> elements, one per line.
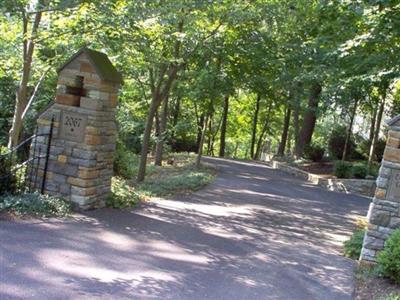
<point>80,164</point>
<point>384,211</point>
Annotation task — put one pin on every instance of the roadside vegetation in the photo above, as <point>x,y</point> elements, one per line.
<point>379,281</point>
<point>177,174</point>
<point>33,205</point>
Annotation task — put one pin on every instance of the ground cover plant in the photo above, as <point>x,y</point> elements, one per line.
<point>178,174</point>
<point>34,204</point>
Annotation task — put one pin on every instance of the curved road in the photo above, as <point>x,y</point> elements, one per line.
<point>254,233</point>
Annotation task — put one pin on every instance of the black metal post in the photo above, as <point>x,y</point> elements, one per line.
<point>47,156</point>
<point>37,169</point>
<point>32,164</point>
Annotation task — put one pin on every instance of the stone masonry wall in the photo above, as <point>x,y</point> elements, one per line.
<point>384,211</point>
<point>80,165</point>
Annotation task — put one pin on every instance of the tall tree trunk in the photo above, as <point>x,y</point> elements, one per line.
<point>286,124</point>
<point>156,123</point>
<point>160,92</point>
<point>289,143</point>
<point>200,125</point>
<point>263,131</point>
<point>350,129</point>
<point>209,140</point>
<point>376,132</point>
<point>254,129</point>
<point>223,127</point>
<point>175,116</point>
<point>309,120</point>
<point>372,127</point>
<point>162,134</point>
<point>203,134</point>
<point>21,99</point>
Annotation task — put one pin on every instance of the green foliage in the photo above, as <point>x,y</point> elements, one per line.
<point>360,170</point>
<point>7,178</point>
<point>122,194</point>
<point>336,143</point>
<point>342,169</point>
<point>126,163</point>
<point>189,179</point>
<point>389,258</point>
<point>314,152</point>
<point>352,247</point>
<point>380,149</point>
<point>34,204</point>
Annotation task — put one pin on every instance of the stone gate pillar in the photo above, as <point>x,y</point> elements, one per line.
<point>80,164</point>
<point>384,211</point>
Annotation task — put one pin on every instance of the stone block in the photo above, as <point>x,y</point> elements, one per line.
<point>394,222</point>
<point>382,182</point>
<point>381,218</point>
<point>93,140</point>
<point>82,162</point>
<point>380,193</point>
<point>90,103</point>
<point>392,154</point>
<point>384,172</point>
<point>87,67</point>
<point>84,154</point>
<point>79,182</point>
<point>394,134</point>
<point>62,159</point>
<point>88,173</point>
<point>65,169</point>
<point>66,99</point>
<point>91,191</point>
<point>393,142</point>
<point>373,243</point>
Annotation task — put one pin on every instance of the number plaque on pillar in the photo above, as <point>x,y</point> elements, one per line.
<point>73,126</point>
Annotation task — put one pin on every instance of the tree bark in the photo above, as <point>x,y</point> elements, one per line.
<point>200,150</point>
<point>263,131</point>
<point>372,128</point>
<point>376,132</point>
<point>285,131</point>
<point>200,125</point>
<point>350,129</point>
<point>21,98</point>
<point>254,129</point>
<point>159,92</point>
<point>309,120</point>
<point>162,134</point>
<point>223,127</point>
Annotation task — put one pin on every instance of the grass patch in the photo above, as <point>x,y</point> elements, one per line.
<point>34,204</point>
<point>178,174</point>
<point>188,179</point>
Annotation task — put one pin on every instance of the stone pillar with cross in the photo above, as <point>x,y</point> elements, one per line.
<point>80,164</point>
<point>384,211</point>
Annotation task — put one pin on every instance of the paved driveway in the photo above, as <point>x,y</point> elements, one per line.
<point>254,233</point>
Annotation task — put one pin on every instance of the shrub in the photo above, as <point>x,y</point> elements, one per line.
<point>352,247</point>
<point>35,204</point>
<point>380,149</point>
<point>342,169</point>
<point>389,258</point>
<point>336,143</point>
<point>360,170</point>
<point>314,152</point>
<point>122,195</point>
<point>7,179</point>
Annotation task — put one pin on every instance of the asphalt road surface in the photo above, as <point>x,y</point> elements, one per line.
<point>254,233</point>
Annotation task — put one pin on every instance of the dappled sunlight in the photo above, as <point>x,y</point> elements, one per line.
<point>236,239</point>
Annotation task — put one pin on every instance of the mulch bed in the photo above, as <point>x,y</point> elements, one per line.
<point>375,289</point>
